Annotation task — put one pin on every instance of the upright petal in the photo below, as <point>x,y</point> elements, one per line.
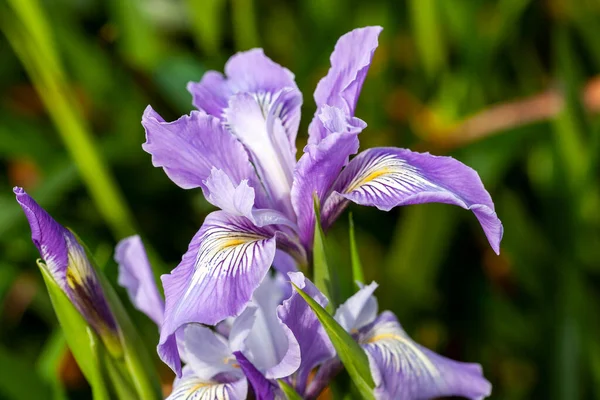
<point>224,264</point>
<point>403,369</point>
<point>189,148</point>
<point>192,387</point>
<point>315,346</point>
<point>66,261</point>
<point>359,310</point>
<point>350,63</point>
<point>271,346</point>
<point>389,177</point>
<point>135,275</point>
<point>316,171</point>
<point>254,73</point>
<point>222,193</point>
<point>259,125</point>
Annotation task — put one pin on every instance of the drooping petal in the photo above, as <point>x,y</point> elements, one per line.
<point>66,261</point>
<point>224,264</point>
<point>315,172</point>
<point>254,73</point>
<point>261,130</point>
<point>284,263</point>
<point>403,369</point>
<point>263,388</point>
<point>315,346</point>
<point>190,147</point>
<point>359,310</point>
<point>135,275</point>
<point>191,387</point>
<point>350,63</point>
<point>390,177</point>
<point>207,352</point>
<point>270,345</point>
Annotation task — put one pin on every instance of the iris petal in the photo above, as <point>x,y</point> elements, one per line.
<point>390,177</point>
<point>403,369</point>
<point>224,264</point>
<point>135,275</point>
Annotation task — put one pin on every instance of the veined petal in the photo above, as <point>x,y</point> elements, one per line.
<point>190,147</point>
<point>257,123</point>
<point>350,63</point>
<point>191,387</point>
<point>359,310</point>
<point>224,264</point>
<point>270,345</point>
<point>135,275</point>
<point>390,177</point>
<point>403,369</point>
<point>315,346</point>
<point>208,353</point>
<point>66,261</point>
<point>254,73</point>
<point>315,172</point>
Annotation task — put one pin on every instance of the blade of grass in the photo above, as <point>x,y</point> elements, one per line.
<point>40,61</point>
<point>357,270</point>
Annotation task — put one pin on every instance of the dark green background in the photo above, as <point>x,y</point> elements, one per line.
<point>530,316</point>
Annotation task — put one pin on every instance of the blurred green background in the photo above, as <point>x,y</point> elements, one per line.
<point>509,87</point>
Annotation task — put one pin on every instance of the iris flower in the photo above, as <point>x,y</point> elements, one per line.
<point>262,344</point>
<point>66,262</point>
<point>239,148</point>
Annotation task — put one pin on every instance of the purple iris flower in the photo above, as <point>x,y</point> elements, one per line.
<point>277,336</point>
<point>401,368</point>
<point>239,148</point>
<point>66,261</point>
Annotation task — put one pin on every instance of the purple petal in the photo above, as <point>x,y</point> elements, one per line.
<point>284,263</point>
<point>359,310</point>
<point>271,346</point>
<point>253,73</point>
<point>235,200</point>
<point>207,352</point>
<point>189,386</point>
<point>350,63</point>
<point>403,369</point>
<point>224,264</point>
<point>255,123</point>
<point>315,172</point>
<point>389,177</point>
<point>135,275</point>
<point>66,261</point>
<point>315,346</point>
<point>189,148</point>
<point>263,388</point>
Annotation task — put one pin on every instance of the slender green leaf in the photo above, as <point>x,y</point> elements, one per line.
<point>49,361</point>
<point>350,353</point>
<point>357,270</point>
<point>206,16</point>
<point>244,24</point>
<point>322,272</point>
<point>80,337</point>
<point>289,391</point>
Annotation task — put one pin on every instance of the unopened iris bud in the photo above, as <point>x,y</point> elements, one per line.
<point>65,259</point>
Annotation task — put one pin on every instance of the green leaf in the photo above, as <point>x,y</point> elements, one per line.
<point>350,353</point>
<point>289,391</point>
<point>81,339</point>
<point>322,272</point>
<point>357,271</point>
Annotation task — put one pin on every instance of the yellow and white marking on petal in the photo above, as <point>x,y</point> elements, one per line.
<point>387,174</point>
<point>398,350</point>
